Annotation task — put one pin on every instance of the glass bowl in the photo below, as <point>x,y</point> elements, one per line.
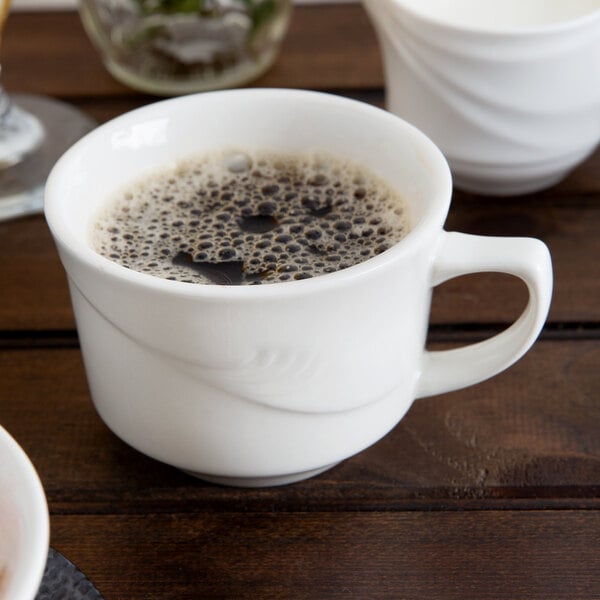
<point>172,47</point>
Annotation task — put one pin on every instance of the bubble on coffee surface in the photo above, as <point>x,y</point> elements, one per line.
<point>251,218</point>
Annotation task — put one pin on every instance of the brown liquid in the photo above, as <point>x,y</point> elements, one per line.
<point>237,218</point>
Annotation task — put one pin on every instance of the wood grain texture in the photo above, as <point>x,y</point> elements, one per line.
<point>409,556</point>
<point>528,435</point>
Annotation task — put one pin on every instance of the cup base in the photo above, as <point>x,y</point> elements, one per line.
<point>515,179</point>
<point>260,482</point>
<point>503,187</point>
<point>242,74</point>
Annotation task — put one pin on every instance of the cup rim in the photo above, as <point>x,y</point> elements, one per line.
<point>84,253</point>
<point>511,32</point>
<point>29,576</point>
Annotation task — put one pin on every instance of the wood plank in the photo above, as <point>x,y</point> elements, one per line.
<point>35,295</point>
<point>327,47</point>
<point>34,287</point>
<point>528,437</point>
<point>435,555</point>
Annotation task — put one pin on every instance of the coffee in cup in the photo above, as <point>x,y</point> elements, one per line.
<point>236,217</point>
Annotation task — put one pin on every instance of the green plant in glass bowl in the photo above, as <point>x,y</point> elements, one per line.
<point>180,46</point>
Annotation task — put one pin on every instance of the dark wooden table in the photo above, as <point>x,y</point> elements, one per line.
<point>487,493</point>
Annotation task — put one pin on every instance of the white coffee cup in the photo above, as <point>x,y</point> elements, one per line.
<point>263,385</point>
<point>509,91</point>
<point>24,523</point>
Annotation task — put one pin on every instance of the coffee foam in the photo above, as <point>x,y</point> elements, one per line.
<point>251,218</point>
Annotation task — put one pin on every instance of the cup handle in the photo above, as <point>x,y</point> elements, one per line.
<point>460,254</point>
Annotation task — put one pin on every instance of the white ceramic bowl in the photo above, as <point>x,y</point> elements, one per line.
<point>24,523</point>
<point>510,92</point>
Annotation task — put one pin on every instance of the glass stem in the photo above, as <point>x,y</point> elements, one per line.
<point>20,132</point>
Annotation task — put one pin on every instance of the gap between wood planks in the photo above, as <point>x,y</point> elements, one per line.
<point>438,333</point>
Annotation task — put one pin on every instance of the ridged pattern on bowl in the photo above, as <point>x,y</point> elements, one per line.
<point>512,113</point>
